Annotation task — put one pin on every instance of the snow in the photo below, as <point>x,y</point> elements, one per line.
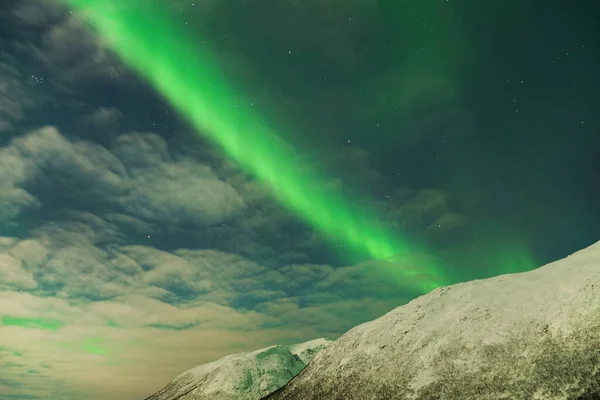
<point>518,336</point>
<point>307,350</point>
<point>243,376</point>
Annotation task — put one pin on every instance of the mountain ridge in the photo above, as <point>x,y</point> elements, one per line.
<point>528,335</point>
<point>241,376</point>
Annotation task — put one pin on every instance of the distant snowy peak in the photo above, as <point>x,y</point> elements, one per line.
<point>243,376</point>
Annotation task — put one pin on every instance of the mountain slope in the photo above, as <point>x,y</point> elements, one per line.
<point>532,335</point>
<point>244,376</point>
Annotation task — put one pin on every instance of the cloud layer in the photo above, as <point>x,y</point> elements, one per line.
<point>76,291</point>
<point>67,303</point>
<point>137,176</point>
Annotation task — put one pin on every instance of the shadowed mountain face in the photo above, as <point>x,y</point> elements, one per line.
<point>533,335</point>
<point>245,376</point>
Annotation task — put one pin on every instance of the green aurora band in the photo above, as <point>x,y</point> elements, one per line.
<point>157,47</point>
<point>31,323</point>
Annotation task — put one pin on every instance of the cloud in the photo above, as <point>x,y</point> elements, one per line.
<point>137,177</point>
<point>48,51</point>
<point>67,48</point>
<point>13,201</point>
<point>266,230</point>
<point>77,228</point>
<point>71,48</point>
<point>38,13</point>
<point>420,211</point>
<point>12,273</point>
<point>88,351</point>
<point>75,269</point>
<point>103,119</point>
<point>168,189</point>
<point>15,171</point>
<point>15,96</point>
<point>81,313</point>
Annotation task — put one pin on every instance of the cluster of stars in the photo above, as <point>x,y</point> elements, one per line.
<point>37,79</point>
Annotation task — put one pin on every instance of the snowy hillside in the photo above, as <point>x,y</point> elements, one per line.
<point>244,376</point>
<point>533,335</point>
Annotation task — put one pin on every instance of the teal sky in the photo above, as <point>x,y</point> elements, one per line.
<point>206,177</point>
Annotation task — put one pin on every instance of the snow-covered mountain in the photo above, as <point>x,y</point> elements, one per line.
<point>532,335</point>
<point>243,376</point>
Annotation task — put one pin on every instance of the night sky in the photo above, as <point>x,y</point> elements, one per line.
<point>135,245</point>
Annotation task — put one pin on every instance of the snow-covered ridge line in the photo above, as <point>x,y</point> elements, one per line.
<point>531,335</point>
<point>242,376</point>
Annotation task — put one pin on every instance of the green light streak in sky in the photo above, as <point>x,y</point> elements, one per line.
<point>189,77</point>
<point>32,323</point>
<point>90,345</point>
<point>508,254</point>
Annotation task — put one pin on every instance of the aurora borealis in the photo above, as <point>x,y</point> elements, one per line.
<point>194,84</point>
<point>183,180</point>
